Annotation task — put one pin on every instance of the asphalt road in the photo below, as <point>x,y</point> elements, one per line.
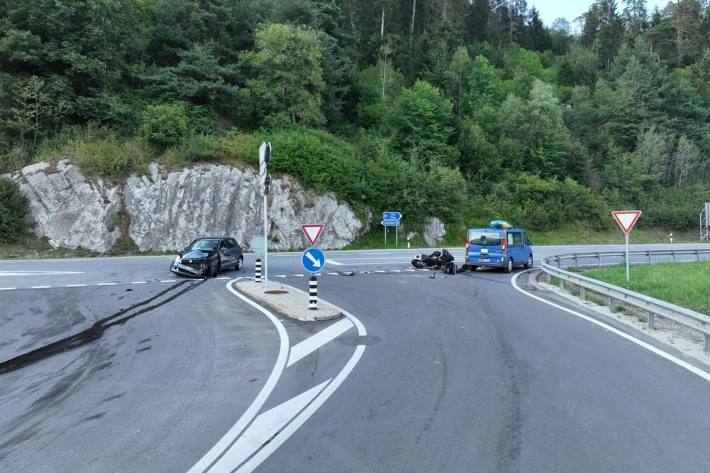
<point>457,373</point>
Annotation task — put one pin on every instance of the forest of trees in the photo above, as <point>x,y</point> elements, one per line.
<point>463,109</point>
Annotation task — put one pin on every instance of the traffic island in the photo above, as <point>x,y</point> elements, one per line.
<point>287,300</point>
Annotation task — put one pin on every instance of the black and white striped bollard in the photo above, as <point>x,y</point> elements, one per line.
<point>313,293</point>
<point>257,270</point>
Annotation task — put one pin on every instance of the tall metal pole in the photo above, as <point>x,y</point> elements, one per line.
<point>396,236</point>
<point>385,236</point>
<point>627,257</point>
<point>266,243</point>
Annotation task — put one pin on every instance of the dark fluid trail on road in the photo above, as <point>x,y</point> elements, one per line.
<point>97,329</point>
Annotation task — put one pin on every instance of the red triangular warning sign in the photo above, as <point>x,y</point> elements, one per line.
<point>626,219</point>
<point>312,231</point>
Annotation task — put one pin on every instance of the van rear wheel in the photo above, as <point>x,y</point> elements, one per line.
<point>509,266</point>
<point>529,262</point>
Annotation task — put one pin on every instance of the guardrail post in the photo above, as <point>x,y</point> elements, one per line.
<point>562,284</point>
<point>559,263</point>
<point>611,304</point>
<point>599,260</point>
<point>576,261</point>
<point>707,343</point>
<point>648,253</point>
<point>651,321</point>
<point>257,270</point>
<point>582,293</point>
<point>697,255</point>
<point>673,255</point>
<point>313,293</point>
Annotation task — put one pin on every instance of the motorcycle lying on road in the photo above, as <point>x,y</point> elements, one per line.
<point>438,260</point>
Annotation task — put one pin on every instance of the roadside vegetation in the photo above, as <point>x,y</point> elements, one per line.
<point>683,284</point>
<point>463,110</point>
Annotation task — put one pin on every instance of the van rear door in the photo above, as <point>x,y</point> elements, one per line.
<point>484,245</point>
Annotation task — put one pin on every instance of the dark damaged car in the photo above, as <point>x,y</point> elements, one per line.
<point>208,256</point>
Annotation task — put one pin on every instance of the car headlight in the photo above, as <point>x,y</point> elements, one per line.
<point>177,259</point>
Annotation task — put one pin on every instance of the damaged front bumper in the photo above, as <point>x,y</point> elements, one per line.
<point>185,270</point>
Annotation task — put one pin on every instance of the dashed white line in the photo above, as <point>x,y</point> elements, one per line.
<point>314,342</point>
<point>280,275</point>
<point>298,275</point>
<point>40,287</point>
<point>332,274</point>
<point>7,288</point>
<point>380,271</point>
<point>169,280</point>
<point>107,284</point>
<point>223,277</point>
<point>394,270</point>
<point>75,285</point>
<point>139,282</point>
<point>334,262</point>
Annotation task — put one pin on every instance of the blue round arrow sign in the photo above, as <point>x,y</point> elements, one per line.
<point>313,259</point>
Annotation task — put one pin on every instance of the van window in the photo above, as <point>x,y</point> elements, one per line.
<point>484,237</point>
<point>517,238</point>
<point>510,239</point>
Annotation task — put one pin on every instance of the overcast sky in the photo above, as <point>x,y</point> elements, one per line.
<point>571,9</point>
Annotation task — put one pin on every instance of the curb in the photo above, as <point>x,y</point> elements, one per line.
<point>293,303</point>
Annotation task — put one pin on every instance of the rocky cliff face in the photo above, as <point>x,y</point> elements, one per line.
<point>167,210</point>
<point>68,209</point>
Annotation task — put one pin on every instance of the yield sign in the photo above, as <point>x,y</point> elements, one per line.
<point>312,231</point>
<point>626,219</point>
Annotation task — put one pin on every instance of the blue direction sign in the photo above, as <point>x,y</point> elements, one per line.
<point>390,223</point>
<point>391,216</point>
<point>313,259</point>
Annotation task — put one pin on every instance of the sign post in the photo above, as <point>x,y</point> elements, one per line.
<point>626,220</point>
<point>265,179</point>
<point>391,219</point>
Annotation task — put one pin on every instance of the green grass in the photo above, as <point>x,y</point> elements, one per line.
<point>683,284</point>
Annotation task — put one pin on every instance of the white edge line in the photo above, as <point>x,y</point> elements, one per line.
<point>673,359</point>
<point>299,420</point>
<point>7,288</point>
<point>223,444</point>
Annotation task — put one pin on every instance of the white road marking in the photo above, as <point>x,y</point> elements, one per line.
<point>169,280</point>
<point>287,431</point>
<point>107,284</point>
<point>332,274</point>
<point>40,287</point>
<point>264,427</point>
<point>75,285</point>
<point>314,342</point>
<point>139,282</point>
<point>334,262</point>
<point>394,271</point>
<point>222,277</point>
<point>683,364</point>
<point>38,273</point>
<point>410,270</point>
<point>298,275</point>
<point>7,288</point>
<point>280,275</point>
<point>380,271</point>
<point>228,439</point>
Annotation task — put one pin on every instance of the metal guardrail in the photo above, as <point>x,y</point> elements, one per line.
<point>555,266</point>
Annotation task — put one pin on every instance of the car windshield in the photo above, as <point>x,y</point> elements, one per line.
<point>204,245</point>
<point>485,237</point>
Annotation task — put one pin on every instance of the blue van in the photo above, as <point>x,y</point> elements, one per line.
<point>498,247</point>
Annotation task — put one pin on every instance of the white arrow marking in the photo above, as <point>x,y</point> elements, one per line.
<point>316,262</point>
